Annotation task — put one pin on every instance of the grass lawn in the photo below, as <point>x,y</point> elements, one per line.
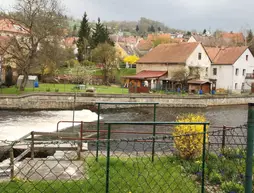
<point>65,88</point>
<point>132,174</point>
<point>122,72</point>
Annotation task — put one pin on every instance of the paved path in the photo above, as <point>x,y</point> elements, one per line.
<point>62,166</point>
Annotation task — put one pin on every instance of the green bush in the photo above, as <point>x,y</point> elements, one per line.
<point>47,89</point>
<point>56,90</point>
<point>215,178</point>
<point>233,153</point>
<point>87,63</point>
<point>230,186</point>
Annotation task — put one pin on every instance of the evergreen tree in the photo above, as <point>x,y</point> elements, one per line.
<point>152,28</point>
<point>74,30</point>
<point>100,35</point>
<point>149,29</point>
<point>159,28</point>
<point>83,38</point>
<point>204,32</point>
<point>137,28</point>
<point>249,36</point>
<point>8,76</point>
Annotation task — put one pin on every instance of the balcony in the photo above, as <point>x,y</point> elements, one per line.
<point>249,76</point>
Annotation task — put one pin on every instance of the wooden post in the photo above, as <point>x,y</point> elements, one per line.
<point>32,145</point>
<point>12,163</point>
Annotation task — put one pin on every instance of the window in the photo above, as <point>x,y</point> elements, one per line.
<point>214,71</point>
<point>244,72</point>
<point>206,71</point>
<point>236,71</point>
<point>199,56</point>
<point>247,57</point>
<point>235,85</point>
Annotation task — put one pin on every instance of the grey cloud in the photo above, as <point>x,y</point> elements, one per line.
<point>183,14</point>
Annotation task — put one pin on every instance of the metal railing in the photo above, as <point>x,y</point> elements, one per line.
<point>121,103</point>
<point>126,165</point>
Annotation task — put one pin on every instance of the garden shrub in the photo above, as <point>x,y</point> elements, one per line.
<point>232,187</point>
<point>189,138</point>
<point>234,153</point>
<point>215,178</point>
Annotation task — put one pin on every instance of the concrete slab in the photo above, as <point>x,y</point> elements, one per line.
<point>50,169</point>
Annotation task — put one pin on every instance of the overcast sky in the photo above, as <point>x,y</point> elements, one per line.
<point>231,15</point>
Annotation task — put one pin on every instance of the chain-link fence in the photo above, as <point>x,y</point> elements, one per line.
<point>151,164</point>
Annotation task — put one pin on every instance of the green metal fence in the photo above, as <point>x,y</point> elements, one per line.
<point>131,165</point>
<point>99,105</point>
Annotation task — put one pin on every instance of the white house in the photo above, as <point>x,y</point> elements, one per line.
<point>170,58</point>
<point>230,66</point>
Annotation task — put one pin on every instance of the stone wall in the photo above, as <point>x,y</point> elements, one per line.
<point>51,101</point>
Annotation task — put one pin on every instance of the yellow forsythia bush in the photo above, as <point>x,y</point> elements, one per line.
<point>189,138</point>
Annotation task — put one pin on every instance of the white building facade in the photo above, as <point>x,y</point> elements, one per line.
<point>232,76</point>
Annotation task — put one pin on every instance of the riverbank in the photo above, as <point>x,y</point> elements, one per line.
<point>66,101</point>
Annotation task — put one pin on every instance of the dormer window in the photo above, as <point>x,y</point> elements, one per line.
<point>199,56</point>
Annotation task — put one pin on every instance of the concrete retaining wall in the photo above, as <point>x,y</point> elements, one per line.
<point>40,101</point>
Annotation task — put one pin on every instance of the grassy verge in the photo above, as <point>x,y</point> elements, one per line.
<point>65,88</point>
<point>132,174</point>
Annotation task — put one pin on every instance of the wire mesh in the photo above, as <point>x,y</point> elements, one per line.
<point>126,166</point>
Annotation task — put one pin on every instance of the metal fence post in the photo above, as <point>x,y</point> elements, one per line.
<point>154,131</point>
<point>108,159</point>
<point>223,137</point>
<point>32,145</point>
<point>98,132</point>
<point>203,160</point>
<point>248,172</point>
<point>12,163</point>
<point>81,135</point>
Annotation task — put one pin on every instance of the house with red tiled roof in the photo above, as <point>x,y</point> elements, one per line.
<point>70,42</point>
<point>8,29</point>
<point>161,65</point>
<point>223,39</point>
<point>232,68</point>
<point>11,28</point>
<point>236,39</point>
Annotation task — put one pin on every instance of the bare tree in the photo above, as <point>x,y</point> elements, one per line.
<point>39,21</point>
<point>183,74</point>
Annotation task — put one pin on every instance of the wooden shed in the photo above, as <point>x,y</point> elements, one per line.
<point>194,86</point>
<point>143,81</point>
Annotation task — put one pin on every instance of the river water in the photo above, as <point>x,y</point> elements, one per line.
<point>15,124</point>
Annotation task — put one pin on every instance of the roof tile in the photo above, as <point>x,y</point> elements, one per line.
<point>169,53</point>
<point>147,74</point>
<point>227,55</point>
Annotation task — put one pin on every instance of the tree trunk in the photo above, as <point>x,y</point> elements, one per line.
<point>106,77</point>
<point>24,81</point>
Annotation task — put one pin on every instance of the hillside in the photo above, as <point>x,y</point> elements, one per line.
<point>130,27</point>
